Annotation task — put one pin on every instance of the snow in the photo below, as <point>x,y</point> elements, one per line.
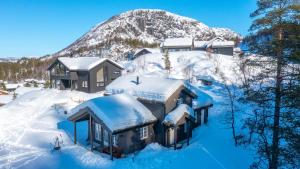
<point>4,99</point>
<point>200,44</point>
<point>203,99</point>
<point>31,122</point>
<point>174,116</point>
<point>12,86</point>
<point>149,87</point>
<point>222,44</point>
<point>182,42</point>
<point>83,63</point>
<point>118,112</point>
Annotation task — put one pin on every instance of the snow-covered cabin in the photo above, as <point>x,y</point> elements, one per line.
<point>144,51</point>
<point>117,124</point>
<point>177,44</point>
<point>216,45</point>
<point>87,74</point>
<point>162,96</point>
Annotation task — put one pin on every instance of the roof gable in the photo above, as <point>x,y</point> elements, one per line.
<point>82,63</point>
<point>118,112</point>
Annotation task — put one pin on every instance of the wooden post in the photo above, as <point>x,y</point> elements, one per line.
<point>205,115</point>
<point>90,133</point>
<point>188,134</point>
<point>111,147</point>
<point>75,133</point>
<point>175,137</point>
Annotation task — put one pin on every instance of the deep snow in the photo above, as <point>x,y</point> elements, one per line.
<point>30,123</point>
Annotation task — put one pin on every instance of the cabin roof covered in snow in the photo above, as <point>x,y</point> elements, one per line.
<point>151,50</point>
<point>174,116</point>
<point>148,88</point>
<point>174,42</point>
<point>202,100</point>
<point>200,44</point>
<point>83,63</point>
<point>222,44</point>
<point>118,112</point>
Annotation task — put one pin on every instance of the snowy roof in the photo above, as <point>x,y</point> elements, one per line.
<point>83,63</point>
<point>118,112</point>
<point>149,87</point>
<point>12,86</point>
<point>174,116</point>
<point>200,44</point>
<point>202,100</point>
<point>222,44</point>
<point>151,50</point>
<point>171,42</point>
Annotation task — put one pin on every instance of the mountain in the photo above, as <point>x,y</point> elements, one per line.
<point>123,33</point>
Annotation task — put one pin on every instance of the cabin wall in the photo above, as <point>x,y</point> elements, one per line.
<point>224,50</point>
<point>171,103</point>
<point>109,70</point>
<point>83,76</point>
<point>130,141</point>
<point>158,110</point>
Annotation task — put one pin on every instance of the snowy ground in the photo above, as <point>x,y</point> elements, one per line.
<point>30,123</point>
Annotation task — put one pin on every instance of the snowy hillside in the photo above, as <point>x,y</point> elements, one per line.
<point>123,33</point>
<point>30,123</point>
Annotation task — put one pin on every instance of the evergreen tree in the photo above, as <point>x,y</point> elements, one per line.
<point>274,35</point>
<point>167,61</point>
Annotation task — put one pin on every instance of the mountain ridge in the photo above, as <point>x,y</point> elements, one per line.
<point>122,34</point>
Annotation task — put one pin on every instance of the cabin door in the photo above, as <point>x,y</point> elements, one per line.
<point>171,136</point>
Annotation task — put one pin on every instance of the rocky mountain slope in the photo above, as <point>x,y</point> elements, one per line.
<point>123,33</point>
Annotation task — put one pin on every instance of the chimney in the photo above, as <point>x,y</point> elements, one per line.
<point>137,80</point>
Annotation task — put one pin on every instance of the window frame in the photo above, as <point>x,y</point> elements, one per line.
<point>144,132</point>
<point>98,130</point>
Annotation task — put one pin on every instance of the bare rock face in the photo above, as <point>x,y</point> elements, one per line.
<point>122,34</point>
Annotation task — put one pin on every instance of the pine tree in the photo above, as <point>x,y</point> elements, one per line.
<point>274,35</point>
<point>167,61</point>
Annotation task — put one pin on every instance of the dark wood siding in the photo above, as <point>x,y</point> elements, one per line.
<point>110,73</point>
<point>130,141</point>
<point>224,50</point>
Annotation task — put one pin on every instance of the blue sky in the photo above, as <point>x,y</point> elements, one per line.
<point>39,27</point>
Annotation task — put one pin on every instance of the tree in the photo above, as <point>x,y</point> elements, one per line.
<point>274,35</point>
<point>167,61</point>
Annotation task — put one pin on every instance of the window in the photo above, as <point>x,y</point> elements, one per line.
<point>144,132</point>
<point>97,132</point>
<point>106,138</point>
<point>84,83</point>
<point>100,76</point>
<point>115,140</point>
<point>106,74</point>
<point>117,72</point>
<point>186,127</point>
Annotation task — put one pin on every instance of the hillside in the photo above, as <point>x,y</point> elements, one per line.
<point>123,33</point>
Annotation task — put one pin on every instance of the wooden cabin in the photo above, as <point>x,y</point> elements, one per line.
<point>87,74</point>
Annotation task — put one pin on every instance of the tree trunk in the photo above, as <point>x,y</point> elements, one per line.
<point>275,140</point>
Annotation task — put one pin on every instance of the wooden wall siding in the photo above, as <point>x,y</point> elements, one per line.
<point>89,76</point>
<point>224,50</point>
<point>111,68</point>
<point>158,110</point>
<point>171,103</point>
<point>130,141</point>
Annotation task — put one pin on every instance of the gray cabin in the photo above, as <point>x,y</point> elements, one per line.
<point>87,74</point>
<point>177,44</point>
<point>137,111</point>
<point>217,45</point>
